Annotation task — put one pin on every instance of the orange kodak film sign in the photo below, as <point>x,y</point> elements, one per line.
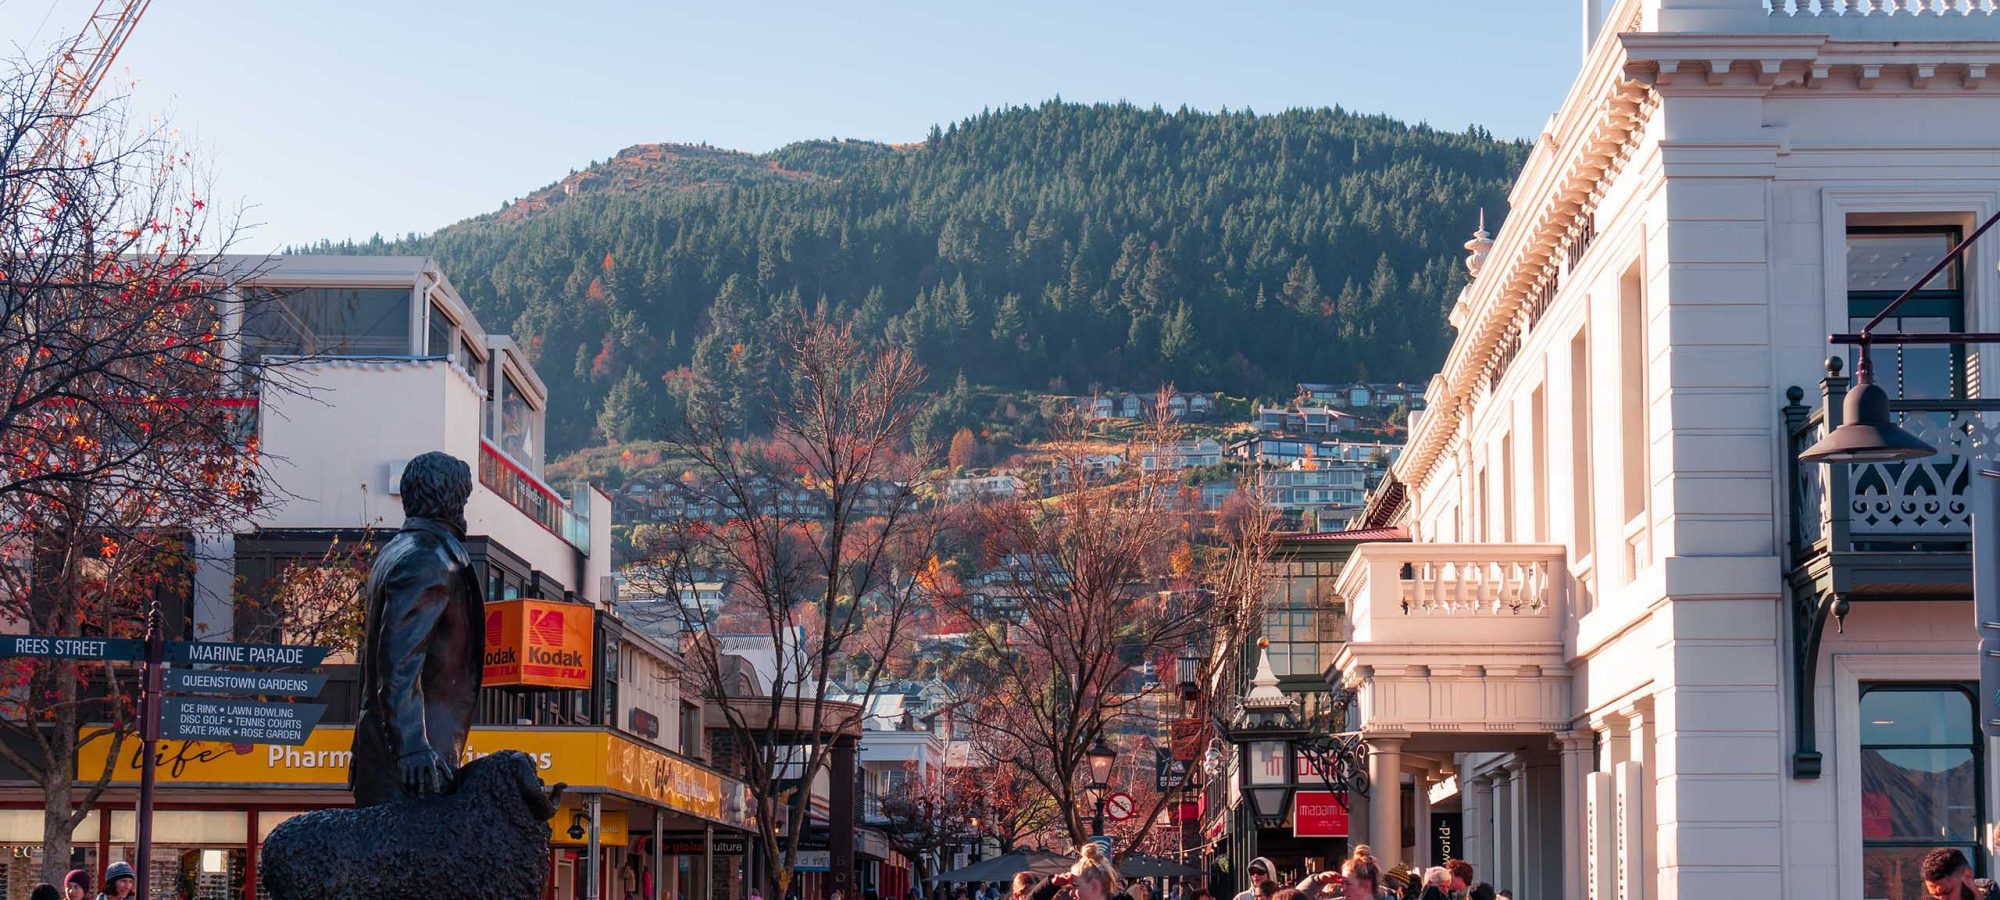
<point>536,643</point>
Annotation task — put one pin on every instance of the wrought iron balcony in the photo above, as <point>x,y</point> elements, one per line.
<point>1878,515</point>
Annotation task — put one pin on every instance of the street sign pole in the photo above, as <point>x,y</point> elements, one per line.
<point>149,735</point>
<point>1986,594</point>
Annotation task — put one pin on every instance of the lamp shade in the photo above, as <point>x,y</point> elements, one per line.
<point>1101,757</point>
<point>1268,803</point>
<point>1867,431</point>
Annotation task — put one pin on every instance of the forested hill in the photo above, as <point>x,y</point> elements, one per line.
<point>1059,246</point>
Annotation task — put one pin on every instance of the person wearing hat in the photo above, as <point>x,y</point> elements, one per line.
<point>119,882</point>
<point>76,885</point>
<point>1260,872</point>
<point>45,891</point>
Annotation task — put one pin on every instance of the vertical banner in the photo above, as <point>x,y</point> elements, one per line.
<point>1598,827</point>
<point>1447,830</point>
<point>1986,594</point>
<point>1630,779</point>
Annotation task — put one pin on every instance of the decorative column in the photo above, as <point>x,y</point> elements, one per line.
<point>1645,752</point>
<point>1385,786</point>
<point>1504,874</point>
<point>1420,822</point>
<point>1359,807</point>
<point>1518,853</point>
<point>1479,825</point>
<point>1575,747</point>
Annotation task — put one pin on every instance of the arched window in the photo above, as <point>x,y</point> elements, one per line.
<point>1923,783</point>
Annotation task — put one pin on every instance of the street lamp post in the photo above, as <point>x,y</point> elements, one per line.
<point>1101,757</point>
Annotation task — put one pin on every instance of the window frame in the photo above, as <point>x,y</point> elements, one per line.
<point>1927,303</point>
<point>1973,848</point>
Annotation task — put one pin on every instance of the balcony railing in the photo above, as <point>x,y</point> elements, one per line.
<point>533,498</point>
<point>1472,593</point>
<point>1917,505</point>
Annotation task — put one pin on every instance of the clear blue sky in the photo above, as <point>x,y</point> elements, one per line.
<point>347,118</point>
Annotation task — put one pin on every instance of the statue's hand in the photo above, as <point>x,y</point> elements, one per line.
<point>424,772</point>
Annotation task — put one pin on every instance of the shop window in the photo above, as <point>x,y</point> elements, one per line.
<point>1923,782</point>
<point>1884,261</point>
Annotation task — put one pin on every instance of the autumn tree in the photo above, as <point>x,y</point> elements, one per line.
<point>1108,578</point>
<point>819,539</point>
<point>964,449</point>
<point>126,415</point>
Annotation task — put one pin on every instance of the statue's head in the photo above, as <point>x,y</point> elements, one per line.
<point>436,486</point>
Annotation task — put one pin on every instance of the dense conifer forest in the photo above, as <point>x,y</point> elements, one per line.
<point>1058,247</point>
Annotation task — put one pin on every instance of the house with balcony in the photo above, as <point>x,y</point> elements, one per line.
<point>1178,455</point>
<point>1633,643</point>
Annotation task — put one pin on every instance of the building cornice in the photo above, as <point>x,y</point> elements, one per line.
<point>1572,163</point>
<point>1565,176</point>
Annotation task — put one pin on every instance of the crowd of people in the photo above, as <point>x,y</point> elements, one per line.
<point>1359,877</point>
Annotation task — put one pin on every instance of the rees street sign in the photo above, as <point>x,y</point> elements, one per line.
<point>51,647</point>
<point>239,721</point>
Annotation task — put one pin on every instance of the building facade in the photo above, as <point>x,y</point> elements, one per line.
<point>383,361</point>
<point>1636,645</point>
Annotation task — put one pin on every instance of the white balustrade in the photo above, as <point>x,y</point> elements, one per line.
<point>1880,8</point>
<point>1470,593</point>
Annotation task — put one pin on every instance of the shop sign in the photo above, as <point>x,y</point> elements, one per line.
<point>813,861</point>
<point>1319,814</point>
<point>690,844</point>
<point>636,769</point>
<point>1168,773</point>
<point>644,724</point>
<point>537,643</point>
<point>577,757</point>
<point>1446,831</point>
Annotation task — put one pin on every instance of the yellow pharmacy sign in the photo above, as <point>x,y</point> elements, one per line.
<point>580,757</point>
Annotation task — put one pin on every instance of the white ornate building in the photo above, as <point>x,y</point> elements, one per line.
<point>1636,645</point>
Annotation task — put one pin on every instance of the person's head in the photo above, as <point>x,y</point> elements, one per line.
<point>76,885</point>
<point>1947,876</point>
<point>1092,876</point>
<point>119,880</point>
<point>1024,882</point>
<point>1289,894</point>
<point>1461,874</point>
<point>45,891</point>
<point>1361,873</point>
<point>1140,890</point>
<point>1260,871</point>
<point>435,486</point>
<point>1437,876</point>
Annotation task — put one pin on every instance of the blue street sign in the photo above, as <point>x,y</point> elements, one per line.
<point>50,647</point>
<point>226,681</point>
<point>239,721</point>
<point>190,652</point>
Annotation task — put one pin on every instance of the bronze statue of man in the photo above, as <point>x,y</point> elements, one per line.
<point>423,643</point>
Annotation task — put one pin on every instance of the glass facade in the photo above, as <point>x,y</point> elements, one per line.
<point>519,432</point>
<point>1303,619</point>
<point>328,322</point>
<point>1922,782</point>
